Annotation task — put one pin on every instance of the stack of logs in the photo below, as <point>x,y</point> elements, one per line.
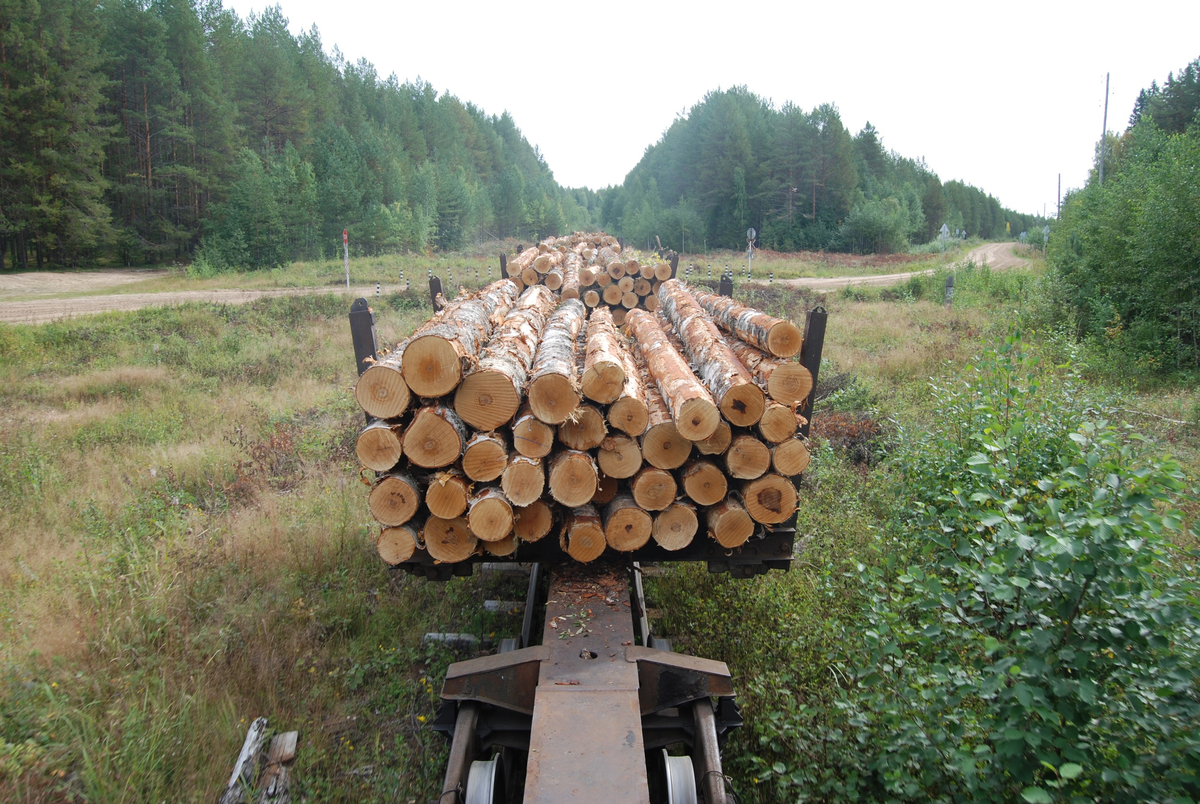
<point>594,269</point>
<point>511,415</point>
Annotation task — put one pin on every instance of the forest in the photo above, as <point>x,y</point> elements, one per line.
<point>169,131</point>
<point>148,132</point>
<point>799,178</point>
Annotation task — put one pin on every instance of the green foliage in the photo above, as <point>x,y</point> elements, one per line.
<point>1173,107</point>
<point>1023,634</point>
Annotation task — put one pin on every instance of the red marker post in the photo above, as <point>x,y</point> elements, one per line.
<point>346,255</point>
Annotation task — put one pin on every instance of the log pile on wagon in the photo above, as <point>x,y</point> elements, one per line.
<point>545,406</point>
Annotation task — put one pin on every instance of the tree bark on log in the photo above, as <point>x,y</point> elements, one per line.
<point>771,499</point>
<point>628,412</point>
<point>533,522</point>
<point>532,437</point>
<point>447,493</point>
<point>449,540</point>
<point>619,456</point>
<point>790,458</point>
<point>436,355</point>
<point>380,445</point>
<point>741,401</point>
<point>778,423</point>
<point>485,457</point>
<point>553,386</point>
<point>728,522</point>
<point>662,445</point>
<point>772,335</point>
<point>676,526</point>
<point>583,534</point>
<point>603,370</point>
<point>523,480</point>
<point>626,526</point>
<point>435,438</point>
<point>704,482</point>
<point>573,477</point>
<point>747,458</point>
<point>394,499</point>
<point>653,488</point>
<point>570,283</point>
<point>397,545</point>
<point>490,514</point>
<point>691,406</point>
<point>786,381</point>
<point>584,430</point>
<point>522,261</point>
<point>490,393</point>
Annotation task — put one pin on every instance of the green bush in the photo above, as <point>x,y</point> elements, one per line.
<point>1024,636</point>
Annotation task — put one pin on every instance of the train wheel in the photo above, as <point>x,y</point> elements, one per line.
<point>485,782</point>
<point>681,779</point>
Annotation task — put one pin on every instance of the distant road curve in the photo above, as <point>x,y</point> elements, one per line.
<point>41,311</point>
<point>998,256</point>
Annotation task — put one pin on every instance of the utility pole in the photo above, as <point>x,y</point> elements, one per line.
<point>1104,134</point>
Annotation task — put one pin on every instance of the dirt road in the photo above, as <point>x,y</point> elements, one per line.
<point>998,256</point>
<point>41,311</point>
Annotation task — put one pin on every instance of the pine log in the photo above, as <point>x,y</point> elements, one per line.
<point>606,489</point>
<point>629,300</point>
<point>778,423</point>
<point>729,523</point>
<point>544,263</point>
<point>435,438</point>
<point>629,413</point>
<point>646,272</point>
<point>773,335</point>
<point>531,437</point>
<point>653,488</point>
<point>632,267</point>
<point>381,390</point>
<point>613,295</point>
<point>603,280</point>
<point>587,278</point>
<point>449,540</point>
<point>534,521</point>
<point>718,442</point>
<point>584,430</point>
<point>650,303</point>
<point>447,494</point>
<point>662,272</point>
<point>573,477</point>
<point>618,314</point>
<point>626,526</point>
<point>522,261</point>
<point>591,298</point>
<point>583,534</point>
<point>704,482</point>
<point>530,277</point>
<point>662,445</point>
<point>380,445</point>
<point>619,456</point>
<point>397,545</point>
<point>603,370</point>
<point>434,357</point>
<point>523,480</point>
<point>490,393</point>
<point>692,407</point>
<point>485,457</point>
<point>553,386</point>
<point>739,399</point>
<point>554,280</point>
<point>676,525</point>
<point>770,499</point>
<point>616,270</point>
<point>502,548</point>
<point>642,287</point>
<point>490,514</point>
<point>394,499</point>
<point>790,458</point>
<point>625,283</point>
<point>786,381</point>
<point>570,282</point>
<point>747,458</point>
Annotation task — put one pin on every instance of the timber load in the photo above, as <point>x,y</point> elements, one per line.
<point>590,401</point>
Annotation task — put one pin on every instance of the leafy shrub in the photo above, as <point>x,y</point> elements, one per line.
<point>1025,635</point>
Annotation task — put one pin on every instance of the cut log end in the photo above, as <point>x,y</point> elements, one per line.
<point>583,535</point>
<point>484,458</point>
<point>747,458</point>
<point>653,488</point>
<point>718,442</point>
<point>491,515</point>
<point>431,367</point>
<point>698,419</point>
<point>486,399</point>
<point>790,384</point>
<point>382,392</point>
<point>771,499</point>
<point>619,456</point>
<point>447,495</point>
<point>629,415</point>
<point>665,447</point>
<point>502,548</point>
<point>533,522</point>
<point>394,499</point>
<point>553,398</point>
<point>449,540</point>
<point>573,478</point>
<point>777,424</point>
<point>676,526</point>
<point>603,381</point>
<point>531,437</point>
<point>729,524</point>
<point>523,480</point>
<point>626,526</point>
<point>744,404</point>
<point>790,457</point>
<point>785,339</point>
<point>379,446</point>
<point>397,545</point>
<point>584,430</point>
<point>704,482</point>
<point>435,438</point>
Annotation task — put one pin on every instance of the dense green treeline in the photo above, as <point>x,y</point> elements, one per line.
<point>800,178</point>
<point>143,130</point>
<point>1126,252</point>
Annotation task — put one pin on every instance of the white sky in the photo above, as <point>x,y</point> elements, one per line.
<point>1005,102</point>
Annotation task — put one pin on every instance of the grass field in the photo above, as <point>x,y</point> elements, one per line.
<point>185,544</point>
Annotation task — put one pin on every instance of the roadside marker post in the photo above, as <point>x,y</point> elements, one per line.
<point>346,255</point>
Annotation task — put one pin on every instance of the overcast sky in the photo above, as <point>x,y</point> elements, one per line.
<point>999,101</point>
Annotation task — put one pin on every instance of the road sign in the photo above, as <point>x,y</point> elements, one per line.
<point>1046,235</point>
<point>751,234</point>
<point>945,230</point>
